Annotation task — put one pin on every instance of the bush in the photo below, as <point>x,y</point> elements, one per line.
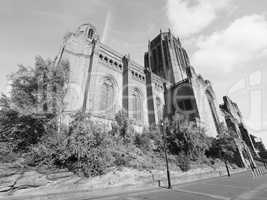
<point>20,131</point>
<point>123,128</point>
<point>123,154</point>
<point>83,148</point>
<point>86,147</point>
<point>263,154</point>
<point>183,162</point>
<point>187,138</point>
<point>223,147</point>
<point>143,141</point>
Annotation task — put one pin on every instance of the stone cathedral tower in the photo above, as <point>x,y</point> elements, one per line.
<point>167,59</point>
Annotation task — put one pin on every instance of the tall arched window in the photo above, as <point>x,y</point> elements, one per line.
<point>159,108</point>
<point>137,106</point>
<point>107,93</point>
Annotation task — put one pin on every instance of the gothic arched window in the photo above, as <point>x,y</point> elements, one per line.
<point>137,106</point>
<point>107,93</point>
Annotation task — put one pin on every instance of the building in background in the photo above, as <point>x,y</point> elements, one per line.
<point>258,144</point>
<point>238,130</point>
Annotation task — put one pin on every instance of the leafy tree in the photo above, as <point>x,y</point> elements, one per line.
<point>223,147</point>
<point>86,147</point>
<point>123,128</point>
<point>24,114</point>
<point>187,138</point>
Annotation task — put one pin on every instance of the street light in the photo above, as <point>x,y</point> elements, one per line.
<point>222,155</point>
<point>163,129</point>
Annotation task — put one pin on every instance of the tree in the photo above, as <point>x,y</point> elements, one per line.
<point>188,138</point>
<point>123,127</point>
<point>25,115</point>
<point>223,147</point>
<point>86,147</point>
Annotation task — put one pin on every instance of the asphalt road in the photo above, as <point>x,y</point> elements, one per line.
<point>238,187</point>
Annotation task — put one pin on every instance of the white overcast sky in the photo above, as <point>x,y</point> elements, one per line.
<point>226,39</point>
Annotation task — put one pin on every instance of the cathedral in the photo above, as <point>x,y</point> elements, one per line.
<point>103,82</point>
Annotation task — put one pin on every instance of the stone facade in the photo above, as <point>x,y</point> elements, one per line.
<point>258,144</point>
<point>238,130</point>
<point>187,93</point>
<point>104,81</point>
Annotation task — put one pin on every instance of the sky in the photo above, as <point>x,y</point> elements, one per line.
<point>226,40</point>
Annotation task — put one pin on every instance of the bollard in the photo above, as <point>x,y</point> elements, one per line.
<point>261,171</point>
<point>258,171</point>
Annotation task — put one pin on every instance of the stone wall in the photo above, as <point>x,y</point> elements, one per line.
<point>210,117</point>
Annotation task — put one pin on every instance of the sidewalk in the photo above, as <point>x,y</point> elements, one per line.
<point>122,190</point>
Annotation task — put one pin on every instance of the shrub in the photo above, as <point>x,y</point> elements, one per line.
<point>223,147</point>
<point>143,141</point>
<point>20,131</point>
<point>183,162</point>
<point>123,128</point>
<point>86,147</point>
<point>263,154</point>
<point>187,138</point>
<point>122,154</point>
<point>48,150</point>
<point>156,137</point>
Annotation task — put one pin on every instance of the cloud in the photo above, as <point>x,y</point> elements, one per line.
<point>242,41</point>
<point>189,19</point>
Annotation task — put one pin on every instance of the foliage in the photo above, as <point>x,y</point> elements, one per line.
<point>20,131</point>
<point>187,138</point>
<point>263,154</point>
<point>123,128</point>
<point>183,162</point>
<point>223,147</point>
<point>24,116</point>
<point>29,118</point>
<point>86,147</point>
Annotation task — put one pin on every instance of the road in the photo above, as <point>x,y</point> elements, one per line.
<point>238,187</point>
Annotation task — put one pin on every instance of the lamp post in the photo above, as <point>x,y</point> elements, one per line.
<point>163,129</point>
<point>227,168</point>
<point>225,163</point>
